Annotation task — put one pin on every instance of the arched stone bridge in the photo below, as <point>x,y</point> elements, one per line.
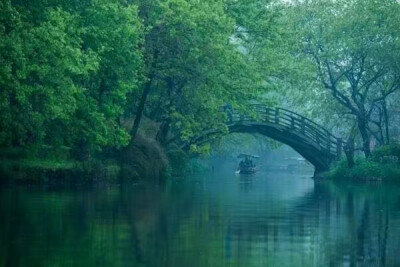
<point>309,139</point>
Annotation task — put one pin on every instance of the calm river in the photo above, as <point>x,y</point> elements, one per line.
<point>217,219</point>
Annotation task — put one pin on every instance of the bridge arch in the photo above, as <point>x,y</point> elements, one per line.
<point>309,139</point>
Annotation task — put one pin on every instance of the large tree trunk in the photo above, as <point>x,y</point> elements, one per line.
<point>386,120</point>
<point>362,127</point>
<point>140,109</point>
<point>349,151</point>
<point>163,132</point>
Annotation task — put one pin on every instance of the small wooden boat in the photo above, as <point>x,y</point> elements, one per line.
<point>246,165</point>
<point>248,170</point>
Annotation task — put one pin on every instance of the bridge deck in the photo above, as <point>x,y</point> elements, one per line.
<point>311,140</point>
<point>296,123</point>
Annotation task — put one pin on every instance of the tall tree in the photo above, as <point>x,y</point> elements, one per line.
<point>67,69</point>
<point>193,67</point>
<point>352,46</point>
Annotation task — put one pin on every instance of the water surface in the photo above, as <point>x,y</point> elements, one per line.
<point>215,219</point>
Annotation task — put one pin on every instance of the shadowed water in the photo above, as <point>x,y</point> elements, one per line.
<point>219,219</point>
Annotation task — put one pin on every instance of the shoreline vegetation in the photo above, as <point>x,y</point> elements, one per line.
<point>147,159</point>
<point>382,166</point>
<point>143,160</point>
<point>140,160</point>
<point>108,90</point>
<point>82,81</point>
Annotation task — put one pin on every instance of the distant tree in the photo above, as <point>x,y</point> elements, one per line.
<point>353,46</point>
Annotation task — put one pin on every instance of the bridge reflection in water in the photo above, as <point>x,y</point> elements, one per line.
<point>270,219</point>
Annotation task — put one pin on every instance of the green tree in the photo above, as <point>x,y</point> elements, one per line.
<point>352,47</point>
<point>193,67</point>
<point>67,71</point>
<point>37,84</point>
<point>112,32</point>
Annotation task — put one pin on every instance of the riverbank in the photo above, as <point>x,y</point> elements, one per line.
<point>143,159</point>
<point>383,165</point>
<point>37,171</point>
<point>364,170</point>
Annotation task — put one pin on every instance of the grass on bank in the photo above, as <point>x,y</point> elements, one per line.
<point>384,165</point>
<point>142,159</point>
<point>365,170</point>
<point>40,164</point>
<point>44,170</point>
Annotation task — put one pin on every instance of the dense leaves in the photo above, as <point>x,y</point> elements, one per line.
<point>193,67</point>
<point>66,74</point>
<point>82,76</point>
<point>72,70</point>
<point>350,48</point>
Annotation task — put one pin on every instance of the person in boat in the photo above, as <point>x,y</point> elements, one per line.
<point>248,163</point>
<point>242,165</point>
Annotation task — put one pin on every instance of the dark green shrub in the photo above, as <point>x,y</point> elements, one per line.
<point>387,153</point>
<point>365,170</point>
<point>143,159</point>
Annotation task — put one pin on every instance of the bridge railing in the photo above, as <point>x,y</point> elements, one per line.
<point>297,123</point>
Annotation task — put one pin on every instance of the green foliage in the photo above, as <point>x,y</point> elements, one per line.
<point>143,159</point>
<point>42,164</point>
<point>194,66</point>
<point>365,170</point>
<point>234,144</point>
<point>387,151</point>
<point>178,161</point>
<point>71,69</point>
<point>387,154</point>
<point>66,73</point>
<point>74,74</point>
<point>345,54</point>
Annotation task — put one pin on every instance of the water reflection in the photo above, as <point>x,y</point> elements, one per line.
<point>220,219</point>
